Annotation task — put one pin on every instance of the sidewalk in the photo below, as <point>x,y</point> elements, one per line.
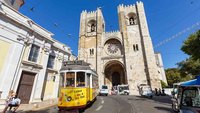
<point>36,106</point>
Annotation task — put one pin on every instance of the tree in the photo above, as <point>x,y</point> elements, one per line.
<point>189,67</point>
<point>163,84</point>
<point>191,46</point>
<point>173,76</point>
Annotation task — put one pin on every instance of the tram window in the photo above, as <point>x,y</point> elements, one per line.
<point>61,83</point>
<point>80,79</point>
<point>70,78</point>
<point>94,82</point>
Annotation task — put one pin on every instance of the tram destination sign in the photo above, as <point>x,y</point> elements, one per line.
<point>77,62</point>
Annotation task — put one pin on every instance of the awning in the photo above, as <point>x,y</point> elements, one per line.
<point>191,82</point>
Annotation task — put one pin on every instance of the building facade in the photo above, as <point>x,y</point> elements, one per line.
<point>119,57</point>
<point>59,53</point>
<point>161,70</point>
<point>30,58</point>
<point>13,35</point>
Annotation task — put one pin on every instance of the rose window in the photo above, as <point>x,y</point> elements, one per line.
<point>112,48</point>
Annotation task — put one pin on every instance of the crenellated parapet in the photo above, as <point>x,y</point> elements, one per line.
<point>91,14</point>
<point>112,35</point>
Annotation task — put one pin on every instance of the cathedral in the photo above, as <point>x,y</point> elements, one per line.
<point>119,57</point>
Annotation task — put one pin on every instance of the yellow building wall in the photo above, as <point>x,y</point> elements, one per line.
<point>26,53</point>
<point>49,89</point>
<point>4,49</point>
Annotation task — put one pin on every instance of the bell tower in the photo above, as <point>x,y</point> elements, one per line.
<point>92,26</point>
<point>139,55</point>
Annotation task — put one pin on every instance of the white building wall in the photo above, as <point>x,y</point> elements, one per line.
<point>9,34</point>
<point>14,28</point>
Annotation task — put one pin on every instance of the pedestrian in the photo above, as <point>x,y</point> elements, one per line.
<point>163,92</point>
<point>159,91</point>
<point>0,94</point>
<point>156,91</point>
<point>12,101</point>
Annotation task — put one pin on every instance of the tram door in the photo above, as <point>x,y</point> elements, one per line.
<point>88,87</point>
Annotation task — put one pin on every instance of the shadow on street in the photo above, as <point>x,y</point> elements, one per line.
<point>165,109</point>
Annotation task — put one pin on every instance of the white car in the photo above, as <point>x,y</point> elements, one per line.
<point>103,90</point>
<point>145,90</point>
<point>123,89</point>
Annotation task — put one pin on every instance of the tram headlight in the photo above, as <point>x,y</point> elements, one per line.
<point>69,98</point>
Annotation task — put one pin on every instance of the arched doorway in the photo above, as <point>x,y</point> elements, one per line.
<point>116,78</point>
<point>114,74</point>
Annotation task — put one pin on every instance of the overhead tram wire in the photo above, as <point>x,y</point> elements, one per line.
<point>69,35</point>
<point>177,34</point>
<point>173,25</point>
<point>34,6</point>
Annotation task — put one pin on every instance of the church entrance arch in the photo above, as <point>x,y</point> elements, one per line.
<point>114,73</point>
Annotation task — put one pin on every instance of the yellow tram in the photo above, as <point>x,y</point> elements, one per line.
<point>78,85</point>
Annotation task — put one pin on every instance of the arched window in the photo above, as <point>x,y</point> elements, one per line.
<point>131,21</point>
<point>132,18</point>
<point>92,27</point>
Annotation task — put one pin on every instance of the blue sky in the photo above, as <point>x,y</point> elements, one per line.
<point>165,19</point>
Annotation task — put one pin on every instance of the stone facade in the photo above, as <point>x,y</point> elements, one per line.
<point>160,66</point>
<point>119,57</point>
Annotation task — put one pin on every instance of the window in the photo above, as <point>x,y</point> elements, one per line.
<point>92,28</point>
<point>70,79</point>
<point>191,97</point>
<point>51,61</point>
<point>80,79</point>
<point>34,53</point>
<point>135,47</point>
<point>61,81</point>
<point>94,82</point>
<point>104,87</point>
<point>131,21</point>
<point>91,51</point>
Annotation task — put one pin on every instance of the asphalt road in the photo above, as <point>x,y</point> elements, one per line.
<point>122,104</point>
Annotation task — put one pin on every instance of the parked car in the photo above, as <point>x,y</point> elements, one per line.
<point>145,90</point>
<point>103,90</point>
<point>123,89</point>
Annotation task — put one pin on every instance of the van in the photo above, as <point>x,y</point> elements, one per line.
<point>145,90</point>
<point>103,90</point>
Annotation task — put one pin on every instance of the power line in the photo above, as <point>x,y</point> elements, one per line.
<point>175,24</point>
<point>177,35</point>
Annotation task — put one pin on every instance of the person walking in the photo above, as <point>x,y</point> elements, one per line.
<point>156,91</point>
<point>12,101</point>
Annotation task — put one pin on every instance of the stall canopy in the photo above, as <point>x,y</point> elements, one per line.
<point>191,82</point>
